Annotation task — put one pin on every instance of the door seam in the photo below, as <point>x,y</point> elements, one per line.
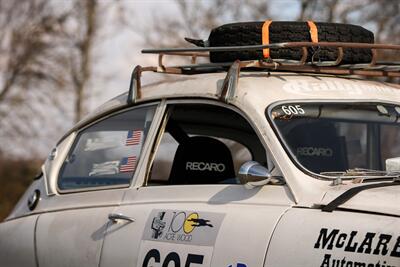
<point>273,233</point>
<point>102,244</point>
<point>35,241</point>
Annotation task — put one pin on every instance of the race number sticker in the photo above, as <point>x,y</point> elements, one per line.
<point>293,110</point>
<point>158,254</point>
<point>180,238</point>
<point>296,111</point>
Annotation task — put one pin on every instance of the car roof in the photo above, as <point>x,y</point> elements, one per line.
<point>259,89</point>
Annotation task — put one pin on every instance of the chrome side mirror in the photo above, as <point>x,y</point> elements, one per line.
<point>252,174</point>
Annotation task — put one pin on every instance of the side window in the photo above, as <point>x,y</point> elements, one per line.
<point>106,153</point>
<point>204,144</point>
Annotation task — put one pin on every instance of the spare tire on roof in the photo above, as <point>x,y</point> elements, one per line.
<point>250,33</point>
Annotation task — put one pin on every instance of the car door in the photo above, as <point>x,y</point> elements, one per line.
<point>17,232</point>
<point>90,182</point>
<point>187,208</point>
<point>339,238</point>
<point>20,249</point>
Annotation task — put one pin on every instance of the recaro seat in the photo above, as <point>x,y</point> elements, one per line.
<point>318,147</point>
<point>201,160</point>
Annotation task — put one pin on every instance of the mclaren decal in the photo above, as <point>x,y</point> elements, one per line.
<point>359,243</point>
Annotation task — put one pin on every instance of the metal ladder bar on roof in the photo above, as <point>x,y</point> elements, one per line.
<point>374,68</point>
<point>272,46</point>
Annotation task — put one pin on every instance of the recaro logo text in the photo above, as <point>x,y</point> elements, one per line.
<point>315,151</point>
<point>205,166</point>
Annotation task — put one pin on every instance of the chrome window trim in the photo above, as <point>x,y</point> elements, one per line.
<point>56,177</point>
<point>168,102</point>
<point>58,163</point>
<point>283,142</point>
<point>149,144</point>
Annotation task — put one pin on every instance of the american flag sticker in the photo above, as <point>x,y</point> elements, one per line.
<point>127,164</point>
<point>134,137</point>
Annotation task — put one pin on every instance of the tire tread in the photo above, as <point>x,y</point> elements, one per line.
<point>250,33</point>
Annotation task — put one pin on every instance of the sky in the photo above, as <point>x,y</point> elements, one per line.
<point>117,52</point>
<point>122,52</point>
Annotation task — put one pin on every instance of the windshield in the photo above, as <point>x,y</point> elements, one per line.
<point>335,137</point>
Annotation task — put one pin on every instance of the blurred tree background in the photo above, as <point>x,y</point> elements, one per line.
<point>50,52</point>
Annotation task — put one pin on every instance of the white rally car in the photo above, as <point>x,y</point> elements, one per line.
<point>270,163</point>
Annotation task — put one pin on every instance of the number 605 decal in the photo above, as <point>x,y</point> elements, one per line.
<point>154,255</point>
<point>293,110</point>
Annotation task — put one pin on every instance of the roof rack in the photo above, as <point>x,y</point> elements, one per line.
<point>371,69</point>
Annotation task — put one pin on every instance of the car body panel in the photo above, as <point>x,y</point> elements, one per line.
<point>17,242</point>
<point>383,200</point>
<point>46,183</point>
<point>307,237</point>
<point>235,214</point>
<point>21,209</point>
<point>256,91</point>
<point>76,223</point>
<point>72,237</point>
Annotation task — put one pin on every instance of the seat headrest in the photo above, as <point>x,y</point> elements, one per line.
<point>318,147</point>
<point>201,160</point>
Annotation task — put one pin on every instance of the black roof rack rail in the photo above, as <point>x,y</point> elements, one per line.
<point>372,69</point>
<point>274,45</point>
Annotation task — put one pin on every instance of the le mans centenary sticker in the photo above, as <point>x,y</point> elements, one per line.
<point>179,238</point>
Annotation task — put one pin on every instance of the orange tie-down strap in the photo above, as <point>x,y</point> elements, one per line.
<point>313,31</point>
<point>265,37</point>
